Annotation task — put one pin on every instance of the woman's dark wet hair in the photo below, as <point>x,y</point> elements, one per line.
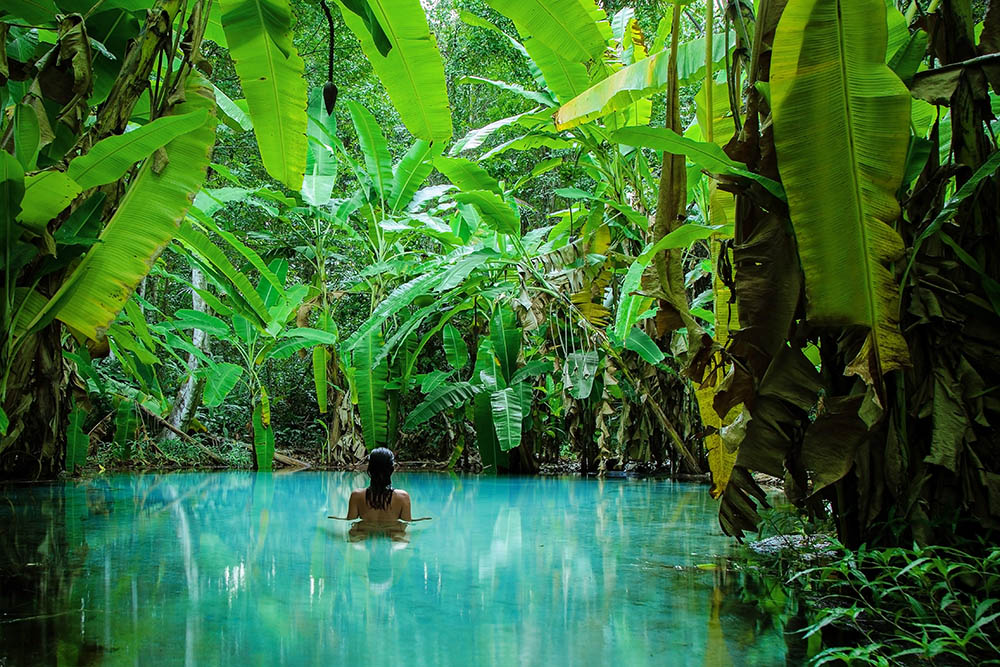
<point>381,463</point>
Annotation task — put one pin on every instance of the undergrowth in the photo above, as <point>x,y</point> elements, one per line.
<point>886,606</point>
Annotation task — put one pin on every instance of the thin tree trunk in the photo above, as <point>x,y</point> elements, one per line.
<point>189,394</point>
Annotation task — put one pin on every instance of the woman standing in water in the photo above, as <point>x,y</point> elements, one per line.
<point>380,503</point>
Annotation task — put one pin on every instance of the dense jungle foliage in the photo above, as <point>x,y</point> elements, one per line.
<point>723,237</point>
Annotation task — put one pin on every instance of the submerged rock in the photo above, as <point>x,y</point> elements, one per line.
<point>804,547</point>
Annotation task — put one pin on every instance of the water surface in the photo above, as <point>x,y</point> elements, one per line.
<point>245,568</point>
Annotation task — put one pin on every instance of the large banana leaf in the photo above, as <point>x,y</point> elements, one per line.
<point>126,423</point>
<point>505,336</point>
<point>707,155</point>
<point>535,96</point>
<point>455,349</point>
<point>475,138</point>
<point>564,77</point>
<point>399,298</point>
<point>149,216</point>
<point>413,169</point>
<point>321,160</point>
<point>110,158</point>
<point>617,92</point>
<point>77,440</point>
<point>831,90</point>
<point>263,435</point>
<point>576,29</point>
<point>370,380</point>
<point>234,282</point>
<point>412,71</point>
<point>508,413</point>
<point>467,175</point>
<point>320,359</point>
<point>378,161</point>
<point>441,398</point>
<point>259,33</point>
<point>221,379</point>
<point>497,214</point>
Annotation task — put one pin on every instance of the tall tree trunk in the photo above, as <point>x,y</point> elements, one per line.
<point>36,406</point>
<point>189,395</point>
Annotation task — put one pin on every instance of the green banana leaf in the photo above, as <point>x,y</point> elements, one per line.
<point>577,29</point>
<point>508,413</point>
<point>371,380</point>
<point>494,459</point>
<point>259,33</point>
<point>455,349</point>
<point>235,283</point>
<point>709,156</point>
<point>34,12</point>
<point>263,436</point>
<point>126,422</point>
<point>528,142</point>
<point>639,342</point>
<point>320,358</point>
<point>147,219</point>
<point>413,169</point>
<point>411,71</point>
<point>496,213</point>
<point>186,318</point>
<point>27,136</point>
<point>505,337</point>
<point>321,160</point>
<point>535,96</point>
<point>431,381</point>
<point>582,369</point>
<point>220,380</point>
<point>533,368</point>
<point>271,292</point>
<point>615,93</point>
<point>373,146</point>
<point>399,298</point>
<point>441,398</point>
<point>46,194</point>
<point>77,440</point>
<point>110,158</point>
<point>475,138</point>
<point>456,274</point>
<point>830,87</point>
<point>564,77</point>
<point>236,244</point>
<point>467,175</point>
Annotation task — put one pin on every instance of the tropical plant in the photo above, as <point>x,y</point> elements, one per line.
<point>83,223</point>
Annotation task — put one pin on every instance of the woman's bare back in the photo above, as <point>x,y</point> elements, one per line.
<point>399,508</point>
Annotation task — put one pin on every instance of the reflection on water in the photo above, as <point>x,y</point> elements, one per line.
<point>226,567</point>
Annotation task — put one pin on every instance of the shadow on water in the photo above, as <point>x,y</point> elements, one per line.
<point>194,568</point>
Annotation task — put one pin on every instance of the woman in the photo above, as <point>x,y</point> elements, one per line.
<point>380,503</point>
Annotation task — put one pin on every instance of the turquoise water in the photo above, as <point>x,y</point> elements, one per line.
<point>245,568</point>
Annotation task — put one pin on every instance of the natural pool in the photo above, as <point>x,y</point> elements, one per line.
<point>208,568</point>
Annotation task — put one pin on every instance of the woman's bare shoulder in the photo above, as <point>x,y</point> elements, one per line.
<point>356,493</point>
<point>400,493</point>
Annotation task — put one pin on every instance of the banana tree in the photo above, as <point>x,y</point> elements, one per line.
<point>86,205</point>
<point>257,321</point>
